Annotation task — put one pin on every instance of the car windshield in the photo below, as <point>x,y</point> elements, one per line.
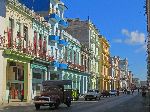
<point>90,90</point>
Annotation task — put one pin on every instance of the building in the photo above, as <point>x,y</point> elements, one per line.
<point>16,51</point>
<point>136,82</point>
<point>104,64</point>
<point>148,39</point>
<point>63,49</point>
<point>143,83</point>
<point>87,34</point>
<point>129,79</point>
<point>123,65</point>
<point>115,72</point>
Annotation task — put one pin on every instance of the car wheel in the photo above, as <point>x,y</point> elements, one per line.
<point>37,106</point>
<point>96,98</point>
<point>57,104</point>
<point>85,99</point>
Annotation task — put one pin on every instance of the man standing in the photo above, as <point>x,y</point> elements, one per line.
<point>22,95</point>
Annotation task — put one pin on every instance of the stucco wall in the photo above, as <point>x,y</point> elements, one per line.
<point>2,77</point>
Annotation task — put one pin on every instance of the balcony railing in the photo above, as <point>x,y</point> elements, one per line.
<point>55,63</point>
<point>63,23</point>
<point>63,42</point>
<point>54,38</point>
<point>23,48</point>
<point>54,17</point>
<point>63,65</point>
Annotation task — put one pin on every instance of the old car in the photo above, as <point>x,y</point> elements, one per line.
<point>105,93</point>
<point>113,92</point>
<point>54,93</point>
<point>92,94</point>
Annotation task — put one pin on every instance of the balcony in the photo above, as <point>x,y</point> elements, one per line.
<point>54,17</point>
<point>63,43</point>
<point>55,63</point>
<point>63,66</point>
<point>63,23</point>
<point>54,38</point>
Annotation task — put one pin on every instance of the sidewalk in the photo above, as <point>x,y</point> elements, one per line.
<point>15,103</point>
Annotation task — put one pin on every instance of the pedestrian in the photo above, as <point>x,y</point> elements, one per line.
<point>117,91</point>
<point>125,90</point>
<point>138,90</point>
<point>132,90</point>
<point>22,95</point>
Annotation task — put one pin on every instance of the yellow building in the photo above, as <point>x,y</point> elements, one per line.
<point>104,65</point>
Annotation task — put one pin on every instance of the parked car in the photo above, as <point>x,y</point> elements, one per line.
<point>105,93</point>
<point>92,94</point>
<point>113,92</point>
<point>53,94</point>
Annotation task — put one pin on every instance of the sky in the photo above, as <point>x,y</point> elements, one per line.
<point>122,23</point>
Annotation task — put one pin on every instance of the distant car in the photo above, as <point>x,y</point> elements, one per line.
<point>113,92</point>
<point>92,94</point>
<point>105,93</point>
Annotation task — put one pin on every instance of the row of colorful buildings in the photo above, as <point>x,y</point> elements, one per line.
<point>38,43</point>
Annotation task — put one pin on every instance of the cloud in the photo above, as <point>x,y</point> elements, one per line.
<point>134,37</point>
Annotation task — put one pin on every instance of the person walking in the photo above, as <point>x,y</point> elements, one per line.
<point>22,95</point>
<point>138,90</point>
<point>132,90</point>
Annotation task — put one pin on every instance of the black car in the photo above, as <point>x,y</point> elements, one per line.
<point>105,93</point>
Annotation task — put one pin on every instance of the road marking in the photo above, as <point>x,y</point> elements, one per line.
<point>85,101</point>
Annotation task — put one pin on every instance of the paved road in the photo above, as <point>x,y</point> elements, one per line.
<point>123,103</point>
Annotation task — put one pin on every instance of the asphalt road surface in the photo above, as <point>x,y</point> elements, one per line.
<point>123,103</point>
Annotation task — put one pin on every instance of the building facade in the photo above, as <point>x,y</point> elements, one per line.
<point>148,39</point>
<point>104,64</point>
<point>115,72</point>
<point>123,64</point>
<point>87,34</point>
<point>16,52</point>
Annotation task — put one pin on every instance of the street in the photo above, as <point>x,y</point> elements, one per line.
<point>122,103</point>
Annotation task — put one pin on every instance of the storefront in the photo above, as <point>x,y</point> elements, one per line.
<point>17,74</point>
<point>39,74</point>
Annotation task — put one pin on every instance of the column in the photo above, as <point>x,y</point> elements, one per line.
<point>86,84</point>
<point>27,75</point>
<point>79,84</point>
<point>45,74</point>
<point>31,89</point>
<point>76,82</point>
<point>3,79</point>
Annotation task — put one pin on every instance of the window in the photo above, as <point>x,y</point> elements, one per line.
<point>25,33</point>
<point>40,41</point>
<point>52,51</point>
<point>37,76</point>
<point>35,41</point>
<point>19,74</point>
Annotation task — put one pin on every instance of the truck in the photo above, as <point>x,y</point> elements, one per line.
<point>54,93</point>
<point>92,94</point>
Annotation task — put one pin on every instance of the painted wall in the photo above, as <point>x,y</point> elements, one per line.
<point>2,78</point>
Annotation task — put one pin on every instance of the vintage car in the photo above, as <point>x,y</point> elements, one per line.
<point>113,92</point>
<point>105,93</point>
<point>92,94</point>
<point>53,93</point>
